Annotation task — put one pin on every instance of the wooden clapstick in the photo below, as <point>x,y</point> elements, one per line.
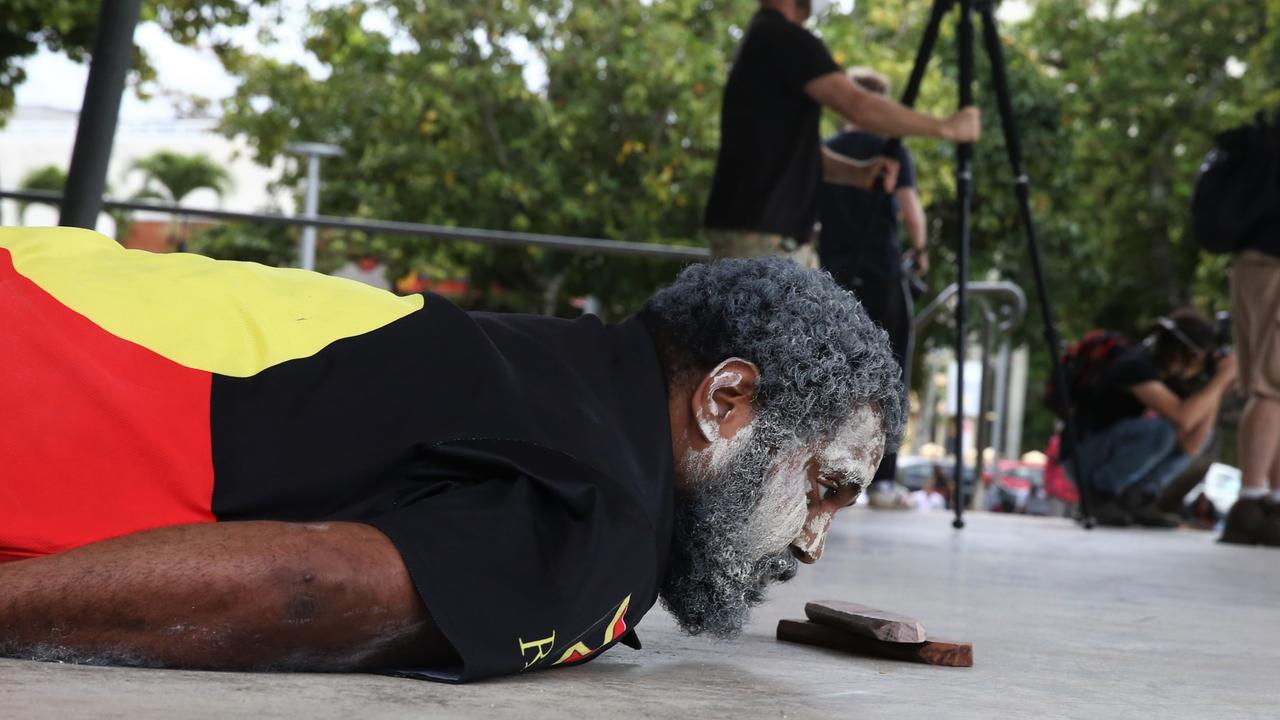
<point>865,621</point>
<point>929,652</point>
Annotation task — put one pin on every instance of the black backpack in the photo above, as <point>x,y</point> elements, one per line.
<point>1238,186</point>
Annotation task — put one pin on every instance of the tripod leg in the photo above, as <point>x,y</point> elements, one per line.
<point>964,190</point>
<point>912,91</point>
<point>991,39</point>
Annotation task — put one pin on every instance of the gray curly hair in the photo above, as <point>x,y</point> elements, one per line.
<point>819,354</point>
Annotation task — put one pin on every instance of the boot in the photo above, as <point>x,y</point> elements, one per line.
<point>1142,507</point>
<point>1108,511</point>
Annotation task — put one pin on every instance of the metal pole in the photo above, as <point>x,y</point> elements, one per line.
<point>96,129</point>
<point>964,188</point>
<point>1022,190</point>
<point>311,203</point>
<point>985,403</point>
<point>312,206</point>
<point>1001,399</point>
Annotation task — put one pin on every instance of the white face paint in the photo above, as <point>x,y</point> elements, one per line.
<point>855,451</point>
<point>851,457</point>
<point>815,533</point>
<point>720,379</point>
<point>783,506</point>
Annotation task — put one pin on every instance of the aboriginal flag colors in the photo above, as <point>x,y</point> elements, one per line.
<point>104,351</point>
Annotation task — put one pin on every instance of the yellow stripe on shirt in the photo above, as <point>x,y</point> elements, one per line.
<point>232,318</point>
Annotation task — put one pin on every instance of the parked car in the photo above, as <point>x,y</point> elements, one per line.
<point>914,470</point>
<point>1014,487</point>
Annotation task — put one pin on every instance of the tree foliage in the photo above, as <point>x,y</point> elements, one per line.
<point>441,126</point>
<point>172,176</point>
<point>68,26</point>
<point>50,178</point>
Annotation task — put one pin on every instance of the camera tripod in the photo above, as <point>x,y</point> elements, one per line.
<point>964,192</point>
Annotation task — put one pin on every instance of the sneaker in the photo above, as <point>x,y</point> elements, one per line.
<point>1245,521</point>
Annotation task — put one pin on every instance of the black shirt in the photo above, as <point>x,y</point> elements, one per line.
<point>1110,399</point>
<point>859,229</point>
<point>770,162</point>
<point>1266,238</point>
<point>520,464</point>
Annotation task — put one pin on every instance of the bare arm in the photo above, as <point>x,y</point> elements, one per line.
<point>886,117</point>
<point>843,170</point>
<point>1194,416</point>
<point>227,596</point>
<point>912,213</point>
<point>1191,441</point>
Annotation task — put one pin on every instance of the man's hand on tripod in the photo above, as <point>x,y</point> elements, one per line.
<point>963,127</point>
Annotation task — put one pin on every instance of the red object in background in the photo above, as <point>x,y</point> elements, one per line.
<point>1056,482</point>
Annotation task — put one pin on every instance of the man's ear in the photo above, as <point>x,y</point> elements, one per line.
<point>722,400</point>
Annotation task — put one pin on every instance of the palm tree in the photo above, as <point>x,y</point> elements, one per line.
<point>49,177</point>
<point>172,176</point>
<point>54,179</point>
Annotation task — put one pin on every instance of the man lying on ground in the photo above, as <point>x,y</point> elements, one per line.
<point>221,465</point>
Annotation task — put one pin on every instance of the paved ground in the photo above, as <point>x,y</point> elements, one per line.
<point>1066,624</point>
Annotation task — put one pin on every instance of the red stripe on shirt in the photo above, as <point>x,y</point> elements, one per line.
<point>99,437</point>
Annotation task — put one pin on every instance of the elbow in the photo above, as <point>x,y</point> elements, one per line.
<point>858,113</point>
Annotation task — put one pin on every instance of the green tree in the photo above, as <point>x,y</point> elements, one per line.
<point>172,176</point>
<point>269,244</point>
<point>50,178</point>
<point>53,178</point>
<point>68,26</point>
<point>620,142</point>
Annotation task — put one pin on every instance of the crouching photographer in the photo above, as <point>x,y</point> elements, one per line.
<point>1140,424</point>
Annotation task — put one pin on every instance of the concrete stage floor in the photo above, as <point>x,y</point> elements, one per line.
<point>1065,624</point>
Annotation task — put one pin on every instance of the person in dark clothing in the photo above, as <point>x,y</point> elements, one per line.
<point>764,195</point>
<point>859,243</point>
<point>221,465</point>
<point>1138,426</point>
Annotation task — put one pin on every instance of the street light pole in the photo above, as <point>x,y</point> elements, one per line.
<point>313,153</point>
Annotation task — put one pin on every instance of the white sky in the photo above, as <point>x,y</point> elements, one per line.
<point>56,82</point>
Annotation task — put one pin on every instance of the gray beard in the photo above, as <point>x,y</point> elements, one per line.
<point>716,571</point>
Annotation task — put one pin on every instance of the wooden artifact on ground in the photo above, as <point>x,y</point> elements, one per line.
<point>929,652</point>
<point>865,621</point>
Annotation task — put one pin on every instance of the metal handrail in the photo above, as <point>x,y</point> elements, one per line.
<point>984,289</point>
<point>441,232</point>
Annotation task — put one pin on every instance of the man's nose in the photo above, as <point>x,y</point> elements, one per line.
<point>808,548</point>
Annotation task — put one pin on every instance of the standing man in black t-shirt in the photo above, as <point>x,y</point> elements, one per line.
<point>1139,430</point>
<point>764,197</point>
<point>859,245</point>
